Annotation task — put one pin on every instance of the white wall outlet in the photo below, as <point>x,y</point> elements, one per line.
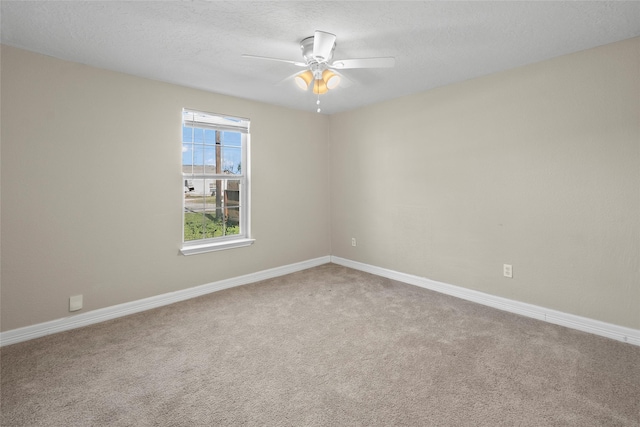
<point>75,303</point>
<point>353,241</point>
<point>507,270</point>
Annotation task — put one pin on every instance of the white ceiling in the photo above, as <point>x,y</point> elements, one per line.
<point>199,44</point>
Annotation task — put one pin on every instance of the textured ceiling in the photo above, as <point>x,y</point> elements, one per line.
<point>199,44</point>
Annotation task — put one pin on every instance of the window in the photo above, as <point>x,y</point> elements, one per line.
<point>215,175</point>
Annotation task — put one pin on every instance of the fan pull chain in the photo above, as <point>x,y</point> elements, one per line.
<point>318,103</point>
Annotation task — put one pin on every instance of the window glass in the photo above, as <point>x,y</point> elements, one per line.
<point>215,176</point>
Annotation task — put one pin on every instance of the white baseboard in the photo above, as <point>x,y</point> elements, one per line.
<point>596,327</point>
<point>120,310</point>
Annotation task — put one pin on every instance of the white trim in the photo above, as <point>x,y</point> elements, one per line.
<point>596,327</point>
<point>223,122</point>
<point>215,246</point>
<point>89,318</point>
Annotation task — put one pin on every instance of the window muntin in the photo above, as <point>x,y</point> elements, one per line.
<point>215,174</point>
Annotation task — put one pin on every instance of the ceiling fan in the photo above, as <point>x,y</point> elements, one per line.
<point>317,54</point>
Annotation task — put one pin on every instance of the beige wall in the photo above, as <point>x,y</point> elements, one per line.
<point>538,167</point>
<point>91,188</point>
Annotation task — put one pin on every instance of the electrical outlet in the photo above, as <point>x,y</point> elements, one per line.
<point>353,241</point>
<point>75,303</point>
<point>507,270</point>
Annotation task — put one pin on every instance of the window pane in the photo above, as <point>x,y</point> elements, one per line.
<point>187,153</point>
<point>232,206</point>
<point>209,136</point>
<point>197,155</point>
<point>213,188</point>
<point>231,160</point>
<point>190,134</point>
<point>193,219</point>
<point>232,139</point>
<point>187,134</point>
<point>193,202</point>
<point>232,219</point>
<point>213,223</point>
<point>192,226</point>
<point>209,159</point>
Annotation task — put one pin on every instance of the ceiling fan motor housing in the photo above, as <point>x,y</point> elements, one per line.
<point>306,45</point>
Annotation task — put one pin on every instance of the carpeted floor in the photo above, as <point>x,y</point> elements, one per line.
<point>328,346</point>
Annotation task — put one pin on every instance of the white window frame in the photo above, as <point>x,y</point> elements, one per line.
<point>221,122</point>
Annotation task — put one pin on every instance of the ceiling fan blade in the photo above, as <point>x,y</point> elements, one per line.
<point>343,64</point>
<point>344,80</point>
<point>323,44</point>
<point>297,63</point>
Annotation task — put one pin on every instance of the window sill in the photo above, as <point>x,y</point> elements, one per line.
<point>218,246</point>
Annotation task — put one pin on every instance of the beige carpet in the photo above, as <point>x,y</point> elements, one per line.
<point>329,346</point>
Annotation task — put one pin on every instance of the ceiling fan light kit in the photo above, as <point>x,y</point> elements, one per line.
<point>317,52</point>
<point>304,79</point>
<point>331,79</point>
<point>320,87</point>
